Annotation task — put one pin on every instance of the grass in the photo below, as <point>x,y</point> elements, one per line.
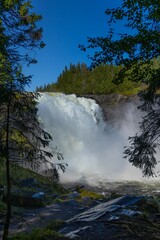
<point>18,173</point>
<point>20,195</point>
<point>39,234</point>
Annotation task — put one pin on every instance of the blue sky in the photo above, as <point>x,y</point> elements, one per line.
<point>66,24</point>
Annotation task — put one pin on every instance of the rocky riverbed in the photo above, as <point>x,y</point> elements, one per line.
<point>112,210</point>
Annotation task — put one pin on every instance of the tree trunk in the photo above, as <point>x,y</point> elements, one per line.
<point>8,213</point>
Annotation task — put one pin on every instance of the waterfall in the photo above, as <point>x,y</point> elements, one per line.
<point>92,148</point>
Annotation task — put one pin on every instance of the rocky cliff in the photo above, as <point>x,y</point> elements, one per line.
<point>114,105</point>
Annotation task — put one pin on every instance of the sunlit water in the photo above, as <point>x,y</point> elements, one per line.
<point>92,148</point>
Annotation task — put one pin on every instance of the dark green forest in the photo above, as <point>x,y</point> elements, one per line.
<point>79,79</point>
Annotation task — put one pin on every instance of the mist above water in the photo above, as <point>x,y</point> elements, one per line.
<point>92,148</point>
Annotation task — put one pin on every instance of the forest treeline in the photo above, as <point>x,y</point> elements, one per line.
<point>78,79</point>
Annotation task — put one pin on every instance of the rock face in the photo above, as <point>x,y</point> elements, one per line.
<point>114,104</point>
<point>112,209</point>
<point>115,219</point>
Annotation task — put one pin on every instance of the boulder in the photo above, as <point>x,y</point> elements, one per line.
<point>116,206</point>
<point>38,195</point>
<point>99,221</point>
<point>26,199</point>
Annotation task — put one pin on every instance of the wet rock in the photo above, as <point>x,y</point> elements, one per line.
<point>87,200</point>
<point>73,203</point>
<point>114,104</point>
<point>73,195</point>
<point>53,196</point>
<point>107,208</point>
<point>130,213</point>
<point>38,195</point>
<point>26,199</point>
<point>73,234</point>
<point>113,218</point>
<point>100,216</point>
<point>28,214</point>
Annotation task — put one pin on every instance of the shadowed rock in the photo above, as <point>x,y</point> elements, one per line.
<point>116,206</point>
<point>99,222</point>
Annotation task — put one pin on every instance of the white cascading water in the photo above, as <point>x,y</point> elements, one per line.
<point>91,148</point>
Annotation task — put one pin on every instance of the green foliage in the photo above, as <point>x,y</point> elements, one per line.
<point>78,79</point>
<point>22,196</point>
<point>88,193</point>
<point>19,27</point>
<point>137,49</point>
<point>21,137</point>
<point>18,173</point>
<point>47,233</point>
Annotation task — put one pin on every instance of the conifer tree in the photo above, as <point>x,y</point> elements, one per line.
<point>136,49</point>
<point>21,136</point>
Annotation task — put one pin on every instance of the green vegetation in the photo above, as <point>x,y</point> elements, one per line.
<point>19,173</point>
<point>78,79</point>
<point>39,234</point>
<point>21,196</point>
<point>47,233</point>
<point>137,49</point>
<point>91,194</point>
<point>21,137</point>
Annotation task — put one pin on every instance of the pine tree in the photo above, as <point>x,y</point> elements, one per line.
<point>136,50</point>
<point>21,136</point>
